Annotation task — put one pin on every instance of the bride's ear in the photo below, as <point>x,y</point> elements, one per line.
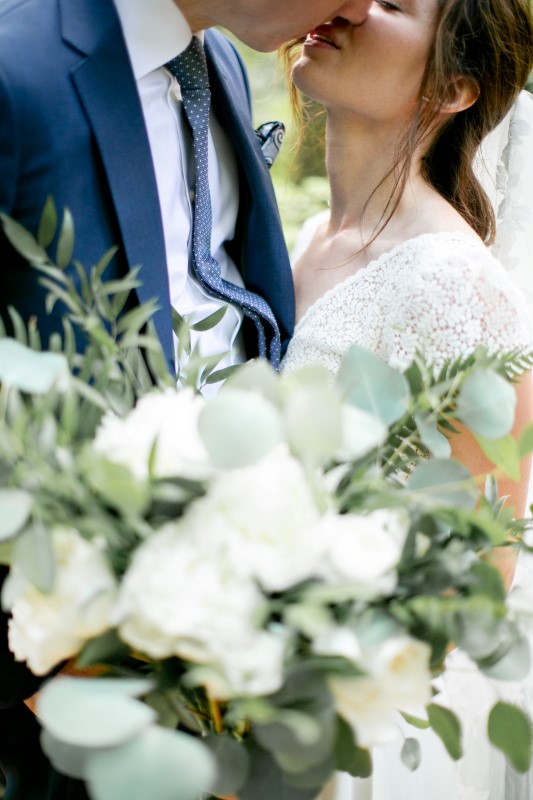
<point>463,92</point>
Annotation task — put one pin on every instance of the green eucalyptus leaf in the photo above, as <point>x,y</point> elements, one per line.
<point>430,435</point>
<point>510,731</point>
<point>34,556</point>
<point>267,781</point>
<point>23,241</point>
<point>260,378</point>
<point>115,483</point>
<point>487,581</point>
<point>160,765</point>
<point>238,428</point>
<point>443,483</point>
<point>504,454</point>
<point>313,419</point>
<point>232,763</point>
<point>447,727</point>
<point>28,371</point>
<point>67,759</point>
<point>102,650</point>
<point>349,757</point>
<point>526,440</point>
<point>94,712</point>
<point>411,754</point>
<point>15,510</point>
<point>47,224</point>
<point>370,384</point>
<point>6,552</point>
<point>515,665</point>
<point>487,403</point>
<point>361,433</point>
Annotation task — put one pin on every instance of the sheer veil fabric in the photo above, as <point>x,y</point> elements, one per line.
<point>505,168</point>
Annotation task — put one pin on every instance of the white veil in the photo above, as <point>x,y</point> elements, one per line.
<point>505,169</point>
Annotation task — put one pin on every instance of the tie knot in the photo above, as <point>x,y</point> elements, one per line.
<point>190,67</point>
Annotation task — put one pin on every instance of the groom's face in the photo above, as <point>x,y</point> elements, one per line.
<point>266,24</point>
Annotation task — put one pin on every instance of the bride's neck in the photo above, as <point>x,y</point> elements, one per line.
<point>359,156</point>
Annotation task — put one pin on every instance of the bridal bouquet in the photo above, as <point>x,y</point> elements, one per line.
<point>259,584</point>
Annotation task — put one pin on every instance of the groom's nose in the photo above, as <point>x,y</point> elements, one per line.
<point>355,11</point>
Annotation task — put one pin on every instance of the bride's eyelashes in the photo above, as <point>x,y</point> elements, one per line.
<point>388,6</point>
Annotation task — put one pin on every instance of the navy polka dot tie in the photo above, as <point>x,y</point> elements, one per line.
<point>190,69</point>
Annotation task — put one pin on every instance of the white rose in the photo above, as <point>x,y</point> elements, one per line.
<point>399,679</point>
<point>363,550</point>
<point>167,419</point>
<point>46,629</point>
<point>253,668</point>
<point>179,599</point>
<point>262,519</point>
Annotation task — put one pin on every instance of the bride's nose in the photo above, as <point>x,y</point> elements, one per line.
<point>355,11</point>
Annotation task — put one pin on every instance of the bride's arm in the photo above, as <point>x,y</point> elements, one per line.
<point>466,449</point>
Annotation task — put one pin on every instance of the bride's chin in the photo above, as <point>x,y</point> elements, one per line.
<point>302,77</point>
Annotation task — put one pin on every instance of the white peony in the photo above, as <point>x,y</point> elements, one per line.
<point>46,629</point>
<point>261,519</point>
<point>398,679</point>
<point>167,419</point>
<point>363,550</point>
<point>179,599</point>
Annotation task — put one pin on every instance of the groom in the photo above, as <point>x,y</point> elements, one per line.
<point>90,117</point>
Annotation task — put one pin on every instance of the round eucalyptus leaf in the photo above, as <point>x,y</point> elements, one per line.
<point>160,765</point>
<point>231,763</point>
<point>515,665</point>
<point>256,376</point>
<point>29,371</point>
<point>487,404</point>
<point>86,712</point>
<point>510,731</point>
<point>15,509</point>
<point>435,441</point>
<point>370,384</point>
<point>361,433</point>
<point>443,483</point>
<point>34,556</point>
<point>64,757</point>
<point>238,428</point>
<point>411,754</point>
<point>313,418</point>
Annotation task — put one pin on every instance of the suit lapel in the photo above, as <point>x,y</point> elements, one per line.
<point>107,91</point>
<point>265,263</point>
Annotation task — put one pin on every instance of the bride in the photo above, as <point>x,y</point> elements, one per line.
<point>401,263</point>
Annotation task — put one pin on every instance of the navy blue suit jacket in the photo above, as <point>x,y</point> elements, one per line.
<point>71,126</point>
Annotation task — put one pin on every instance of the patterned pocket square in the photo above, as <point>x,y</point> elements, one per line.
<point>271,135</point>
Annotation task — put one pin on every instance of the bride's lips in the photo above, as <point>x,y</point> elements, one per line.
<point>322,37</point>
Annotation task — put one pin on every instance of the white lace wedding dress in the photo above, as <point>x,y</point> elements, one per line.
<point>444,294</point>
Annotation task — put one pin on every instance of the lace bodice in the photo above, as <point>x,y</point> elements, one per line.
<point>442,294</point>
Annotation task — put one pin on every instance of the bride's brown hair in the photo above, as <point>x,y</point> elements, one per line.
<point>489,43</point>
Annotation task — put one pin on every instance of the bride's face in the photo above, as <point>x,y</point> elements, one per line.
<point>374,68</point>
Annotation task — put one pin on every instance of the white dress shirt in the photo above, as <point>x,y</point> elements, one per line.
<point>155,32</point>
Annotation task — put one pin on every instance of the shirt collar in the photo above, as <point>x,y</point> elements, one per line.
<point>155,32</point>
